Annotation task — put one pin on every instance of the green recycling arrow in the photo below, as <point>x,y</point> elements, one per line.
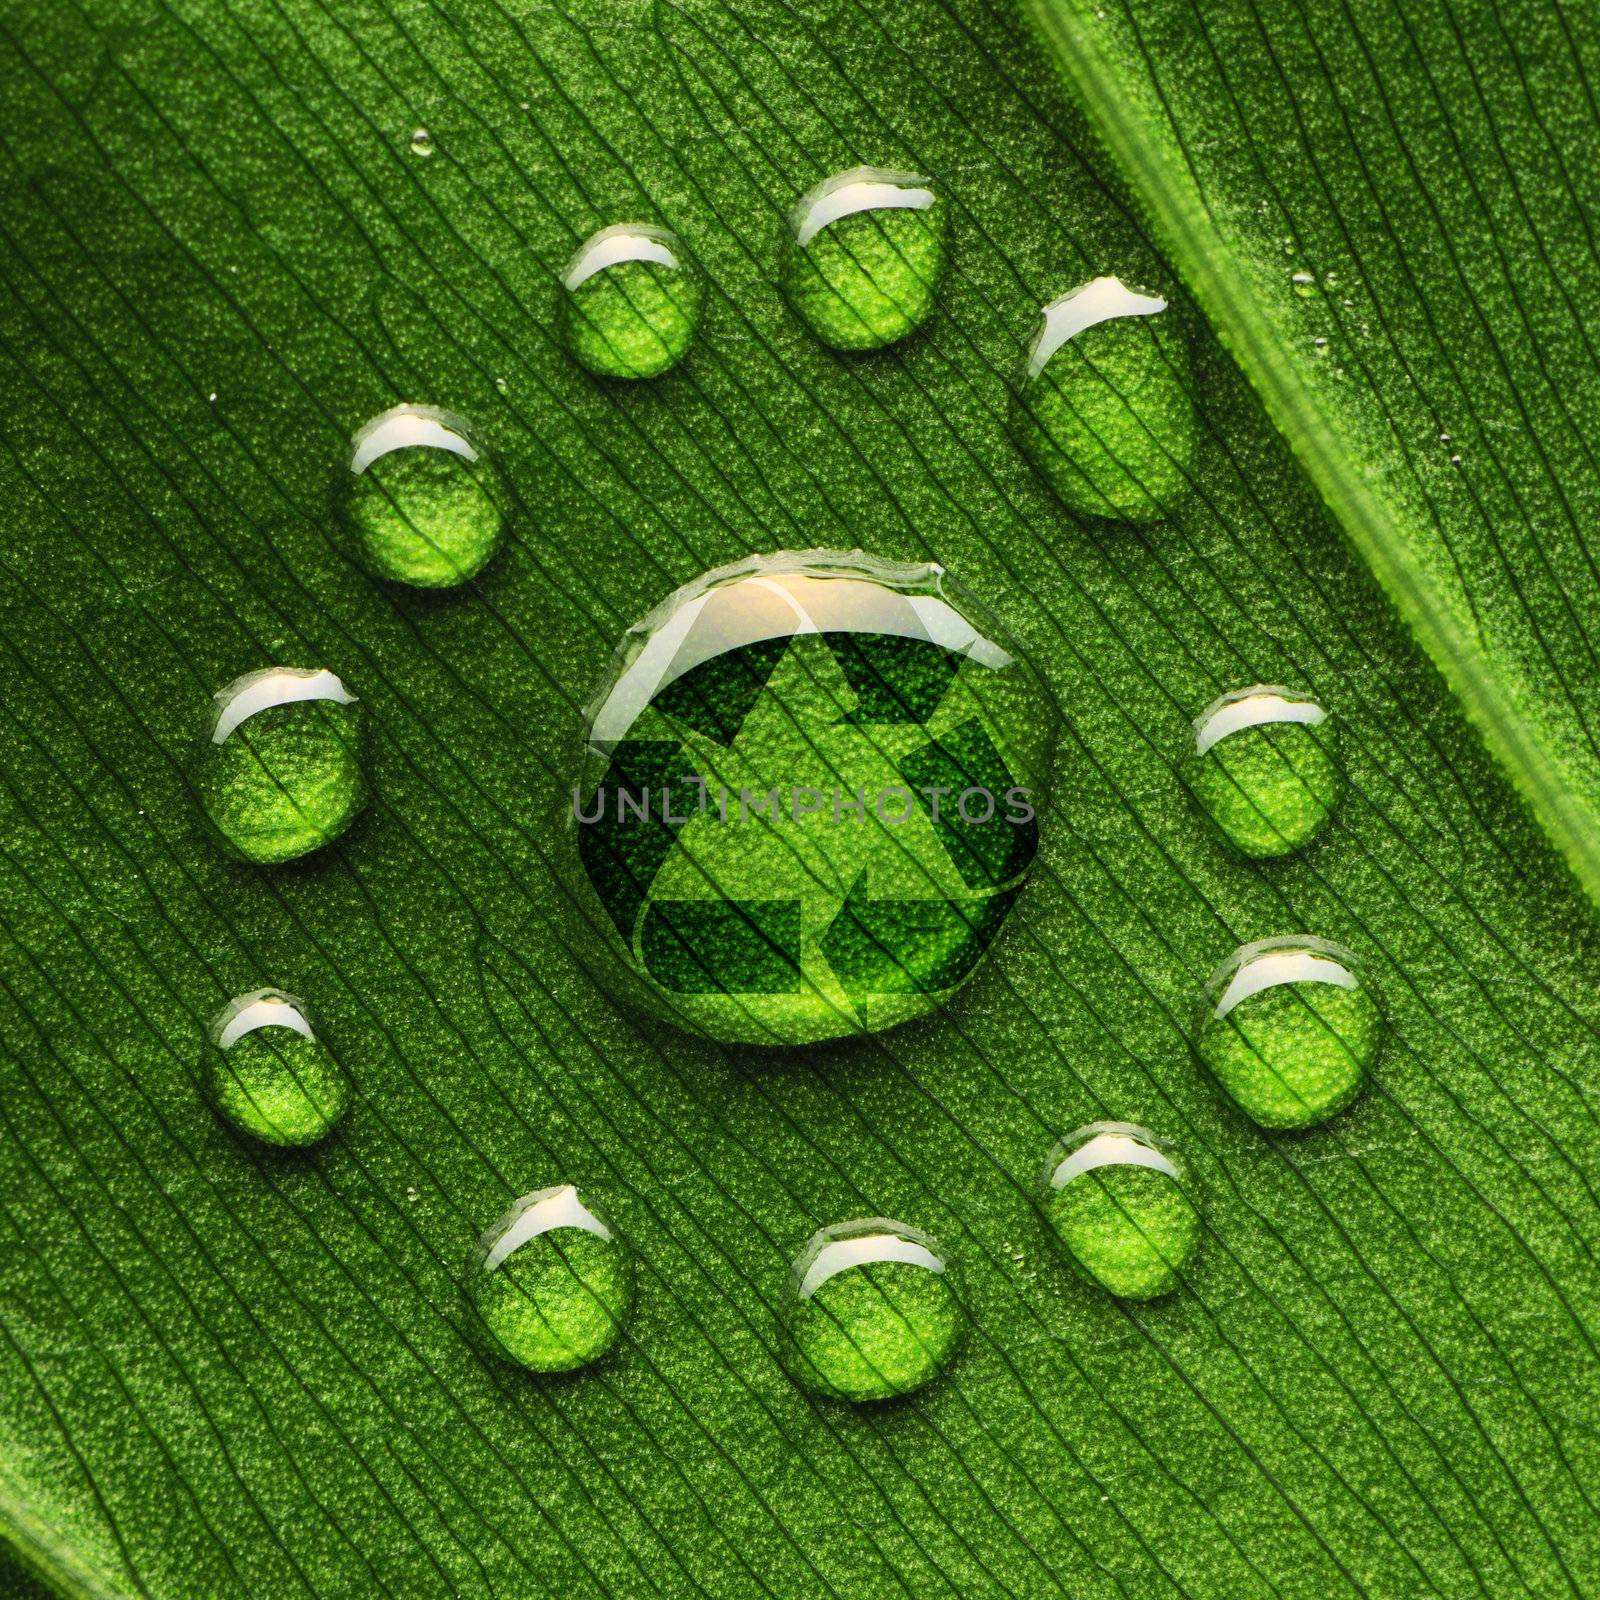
<point>909,946</point>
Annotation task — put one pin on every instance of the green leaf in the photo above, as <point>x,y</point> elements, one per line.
<point>231,1371</point>
<point>1389,220</point>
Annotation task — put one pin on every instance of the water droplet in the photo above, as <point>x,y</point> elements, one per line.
<point>871,1311</point>
<point>429,504</point>
<point>1104,411</point>
<point>1116,1197</point>
<point>809,796</point>
<point>269,1075</point>
<point>1289,1030</point>
<point>631,302</point>
<point>553,1282</point>
<point>1302,282</point>
<point>1319,346</point>
<point>866,255</point>
<point>501,385</point>
<point>1264,768</point>
<point>279,768</point>
<point>421,142</point>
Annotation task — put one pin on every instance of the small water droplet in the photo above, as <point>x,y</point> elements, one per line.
<point>1319,346</point>
<point>1444,438</point>
<point>871,1311</point>
<point>501,385</point>
<point>631,302</point>
<point>1302,282</point>
<point>279,767</point>
<point>552,1282</point>
<point>1455,461</point>
<point>269,1075</point>
<point>421,142</point>
<point>866,256</point>
<point>1264,768</point>
<point>809,795</point>
<point>1289,1030</point>
<point>427,501</point>
<point>1104,411</point>
<point>1117,1198</point>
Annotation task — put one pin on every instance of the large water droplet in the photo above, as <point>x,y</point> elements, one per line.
<point>1264,767</point>
<point>552,1281</point>
<point>631,302</point>
<point>866,256</point>
<point>1289,1030</point>
<point>810,794</point>
<point>871,1311</point>
<point>1104,410</point>
<point>429,504</point>
<point>269,1075</point>
<point>1116,1197</point>
<point>279,769</point>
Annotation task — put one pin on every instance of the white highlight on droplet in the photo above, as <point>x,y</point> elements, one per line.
<point>623,241</point>
<point>272,686</point>
<point>1098,300</point>
<point>1111,1144</point>
<point>405,427</point>
<point>780,596</point>
<point>1251,708</point>
<point>538,1213</point>
<point>1275,962</point>
<point>859,189</point>
<point>878,1240</point>
<point>261,1008</point>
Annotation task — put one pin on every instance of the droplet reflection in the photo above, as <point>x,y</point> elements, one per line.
<point>1264,768</point>
<point>1116,1197</point>
<point>809,797</point>
<point>269,1075</point>
<point>552,1281</point>
<point>1289,1030</point>
<point>428,503</point>
<point>279,770</point>
<point>1104,411</point>
<point>631,302</point>
<point>871,1311</point>
<point>866,257</point>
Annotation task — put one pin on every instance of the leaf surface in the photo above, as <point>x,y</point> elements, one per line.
<point>229,1372</point>
<point>1387,211</point>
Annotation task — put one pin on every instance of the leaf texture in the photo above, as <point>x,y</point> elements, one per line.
<point>1388,212</point>
<point>228,1372</point>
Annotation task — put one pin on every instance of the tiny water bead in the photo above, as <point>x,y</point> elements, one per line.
<point>428,503</point>
<point>553,1282</point>
<point>1104,411</point>
<point>1289,1030</point>
<point>1264,768</point>
<point>269,1075</point>
<point>631,302</point>
<point>1116,1197</point>
<point>809,795</point>
<point>421,142</point>
<point>279,771</point>
<point>871,1311</point>
<point>866,256</point>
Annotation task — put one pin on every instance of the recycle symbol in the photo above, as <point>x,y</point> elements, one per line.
<point>716,886</point>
